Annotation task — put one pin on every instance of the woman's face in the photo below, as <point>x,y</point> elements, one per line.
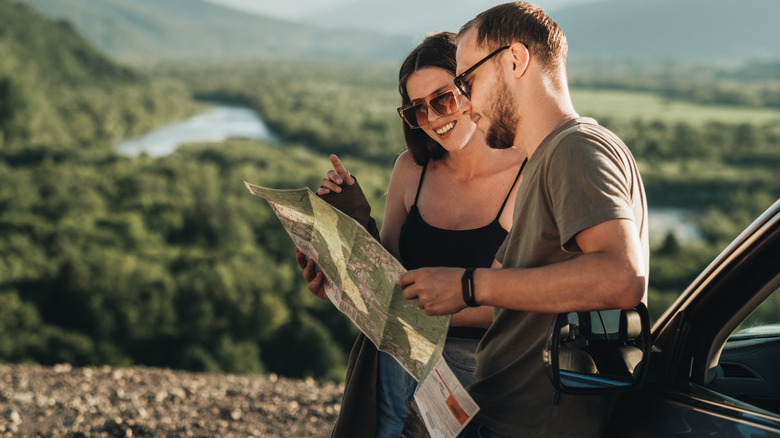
<point>452,132</point>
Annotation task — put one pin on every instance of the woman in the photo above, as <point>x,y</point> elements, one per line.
<point>449,203</point>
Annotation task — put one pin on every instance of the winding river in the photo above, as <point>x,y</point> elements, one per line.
<point>222,121</point>
<point>218,123</point>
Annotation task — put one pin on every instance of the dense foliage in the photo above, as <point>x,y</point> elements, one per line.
<point>342,108</point>
<point>169,261</point>
<point>149,31</point>
<point>57,91</point>
<point>723,171</point>
<point>166,262</point>
<point>753,83</point>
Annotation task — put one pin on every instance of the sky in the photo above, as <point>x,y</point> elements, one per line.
<point>287,9</point>
<point>296,9</point>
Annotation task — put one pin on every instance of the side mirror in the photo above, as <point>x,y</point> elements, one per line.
<point>599,351</point>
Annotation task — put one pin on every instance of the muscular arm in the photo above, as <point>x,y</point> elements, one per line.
<point>610,273</point>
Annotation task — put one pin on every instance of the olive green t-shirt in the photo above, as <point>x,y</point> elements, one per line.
<point>580,176</point>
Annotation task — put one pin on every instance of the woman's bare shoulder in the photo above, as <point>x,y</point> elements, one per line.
<point>405,165</point>
<point>510,158</point>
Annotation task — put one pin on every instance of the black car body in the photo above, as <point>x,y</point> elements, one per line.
<point>711,365</point>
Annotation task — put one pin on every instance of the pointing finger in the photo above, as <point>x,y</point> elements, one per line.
<point>341,170</point>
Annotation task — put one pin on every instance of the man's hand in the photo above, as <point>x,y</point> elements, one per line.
<point>311,274</point>
<point>437,290</point>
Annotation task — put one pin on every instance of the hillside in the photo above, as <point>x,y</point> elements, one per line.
<point>56,89</point>
<point>155,30</point>
<point>396,19</point>
<point>691,29</point>
<point>698,29</point>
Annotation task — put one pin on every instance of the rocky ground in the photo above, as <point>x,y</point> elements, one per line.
<point>62,401</point>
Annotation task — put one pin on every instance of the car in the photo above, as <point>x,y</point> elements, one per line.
<point>709,366</point>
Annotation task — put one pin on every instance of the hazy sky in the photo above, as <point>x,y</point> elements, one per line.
<point>289,9</point>
<point>295,9</point>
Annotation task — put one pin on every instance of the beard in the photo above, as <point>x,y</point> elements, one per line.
<point>501,133</point>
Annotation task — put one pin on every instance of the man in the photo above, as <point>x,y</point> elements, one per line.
<point>579,238</point>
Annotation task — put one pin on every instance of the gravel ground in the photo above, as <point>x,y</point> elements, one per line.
<point>62,401</point>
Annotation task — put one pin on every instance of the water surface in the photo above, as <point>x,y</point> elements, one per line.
<point>218,123</point>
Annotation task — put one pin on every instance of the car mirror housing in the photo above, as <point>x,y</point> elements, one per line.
<point>598,351</point>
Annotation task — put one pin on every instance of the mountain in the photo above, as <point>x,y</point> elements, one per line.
<point>153,30</point>
<point>690,29</point>
<point>56,89</point>
<point>410,17</point>
<point>699,29</point>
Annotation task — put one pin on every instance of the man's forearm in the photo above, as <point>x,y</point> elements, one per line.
<point>586,282</point>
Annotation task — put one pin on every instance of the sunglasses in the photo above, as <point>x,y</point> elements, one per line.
<point>460,80</point>
<point>444,104</point>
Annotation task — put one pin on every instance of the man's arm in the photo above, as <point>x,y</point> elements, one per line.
<point>610,273</point>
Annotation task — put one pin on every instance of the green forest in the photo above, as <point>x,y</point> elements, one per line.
<point>169,261</point>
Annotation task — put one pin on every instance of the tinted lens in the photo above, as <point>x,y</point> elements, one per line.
<point>444,104</point>
<point>416,115</point>
<point>464,86</point>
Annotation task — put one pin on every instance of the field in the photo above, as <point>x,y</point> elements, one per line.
<point>630,105</point>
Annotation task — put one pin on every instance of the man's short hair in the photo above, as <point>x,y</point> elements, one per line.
<point>521,22</point>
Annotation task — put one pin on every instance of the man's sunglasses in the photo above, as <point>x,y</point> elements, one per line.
<point>444,104</point>
<point>460,80</point>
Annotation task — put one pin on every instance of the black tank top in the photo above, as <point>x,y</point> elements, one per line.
<point>422,245</point>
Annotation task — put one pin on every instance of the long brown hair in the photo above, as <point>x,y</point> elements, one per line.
<point>436,50</point>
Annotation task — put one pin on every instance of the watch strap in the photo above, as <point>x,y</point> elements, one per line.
<point>467,283</point>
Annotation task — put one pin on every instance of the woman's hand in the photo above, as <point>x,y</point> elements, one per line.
<point>311,274</point>
<point>336,177</point>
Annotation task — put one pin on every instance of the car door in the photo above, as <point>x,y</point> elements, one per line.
<point>714,369</point>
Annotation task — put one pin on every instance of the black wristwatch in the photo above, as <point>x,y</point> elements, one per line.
<point>467,282</point>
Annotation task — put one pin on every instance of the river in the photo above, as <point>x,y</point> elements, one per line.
<point>222,121</point>
<point>218,123</point>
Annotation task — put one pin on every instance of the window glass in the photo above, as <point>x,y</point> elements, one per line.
<point>765,319</point>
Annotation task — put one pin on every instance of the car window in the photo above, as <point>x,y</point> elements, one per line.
<point>765,320</point>
<point>747,368</point>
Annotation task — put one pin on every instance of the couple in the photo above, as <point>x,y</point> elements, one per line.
<point>577,236</point>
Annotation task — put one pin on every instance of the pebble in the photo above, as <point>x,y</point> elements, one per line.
<point>69,402</point>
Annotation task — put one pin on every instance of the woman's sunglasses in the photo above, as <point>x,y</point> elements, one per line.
<point>444,104</point>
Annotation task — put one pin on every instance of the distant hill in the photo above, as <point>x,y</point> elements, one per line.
<point>56,89</point>
<point>688,29</point>
<point>153,30</point>
<point>411,17</point>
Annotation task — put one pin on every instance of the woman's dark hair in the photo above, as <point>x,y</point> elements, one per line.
<point>436,50</point>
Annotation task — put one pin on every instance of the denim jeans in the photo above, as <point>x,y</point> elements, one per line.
<point>395,387</point>
<point>459,355</point>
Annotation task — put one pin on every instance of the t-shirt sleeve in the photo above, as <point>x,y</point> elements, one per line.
<point>501,251</point>
<point>589,184</point>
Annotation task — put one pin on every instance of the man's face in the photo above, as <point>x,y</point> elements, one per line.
<point>492,103</point>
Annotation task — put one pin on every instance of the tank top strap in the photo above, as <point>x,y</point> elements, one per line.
<point>510,188</point>
<point>419,185</point>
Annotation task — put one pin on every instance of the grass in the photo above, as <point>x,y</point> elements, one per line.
<point>630,105</point>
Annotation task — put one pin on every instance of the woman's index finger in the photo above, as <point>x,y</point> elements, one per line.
<point>341,170</point>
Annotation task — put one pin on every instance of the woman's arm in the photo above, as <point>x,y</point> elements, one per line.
<point>398,202</point>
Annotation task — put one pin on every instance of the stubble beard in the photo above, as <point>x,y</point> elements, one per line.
<point>501,133</point>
